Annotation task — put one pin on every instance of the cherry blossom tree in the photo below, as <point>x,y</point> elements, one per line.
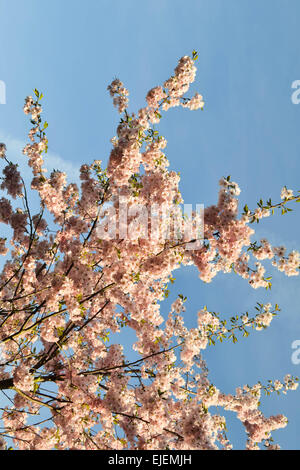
<point>64,290</point>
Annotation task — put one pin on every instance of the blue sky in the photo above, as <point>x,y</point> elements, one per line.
<point>248,59</point>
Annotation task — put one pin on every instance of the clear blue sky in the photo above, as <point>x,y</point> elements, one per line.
<point>249,55</point>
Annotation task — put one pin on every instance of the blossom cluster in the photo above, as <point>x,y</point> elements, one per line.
<point>63,292</point>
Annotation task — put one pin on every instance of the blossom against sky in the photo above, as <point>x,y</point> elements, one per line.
<point>248,59</point>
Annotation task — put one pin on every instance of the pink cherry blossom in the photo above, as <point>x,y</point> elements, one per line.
<point>65,292</point>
